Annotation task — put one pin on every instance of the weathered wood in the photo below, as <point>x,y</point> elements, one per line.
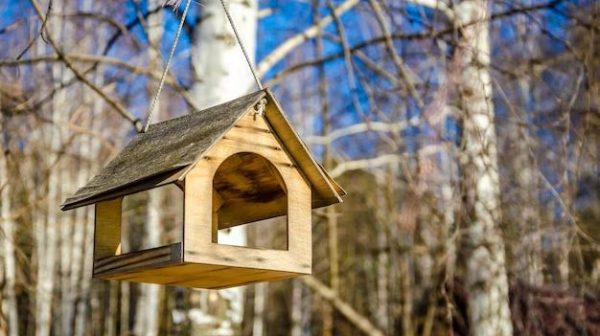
<point>198,243</point>
<point>198,276</point>
<point>250,189</point>
<point>107,235</point>
<point>175,146</point>
<point>160,256</point>
<point>150,183</point>
<point>327,190</point>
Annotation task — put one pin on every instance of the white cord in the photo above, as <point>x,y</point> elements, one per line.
<point>239,40</point>
<point>166,70</point>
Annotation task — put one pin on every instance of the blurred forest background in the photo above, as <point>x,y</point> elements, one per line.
<point>466,133</point>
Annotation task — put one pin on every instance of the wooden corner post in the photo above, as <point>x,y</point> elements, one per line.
<point>107,229</point>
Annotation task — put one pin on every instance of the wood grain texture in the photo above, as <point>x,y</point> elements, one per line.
<point>250,189</point>
<point>198,276</point>
<point>327,191</point>
<point>150,258</point>
<point>107,226</point>
<point>250,135</point>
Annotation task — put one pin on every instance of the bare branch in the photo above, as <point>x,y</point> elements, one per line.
<point>286,47</point>
<point>374,126</point>
<point>381,160</point>
<point>263,13</point>
<point>351,315</point>
<point>398,63</point>
<point>111,102</point>
<point>438,5</point>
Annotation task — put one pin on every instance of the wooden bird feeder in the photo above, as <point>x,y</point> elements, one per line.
<point>234,166</point>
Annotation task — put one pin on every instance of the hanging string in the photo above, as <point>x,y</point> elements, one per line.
<point>239,40</point>
<point>166,70</point>
<point>172,53</point>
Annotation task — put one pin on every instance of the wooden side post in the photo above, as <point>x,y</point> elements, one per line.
<point>107,235</point>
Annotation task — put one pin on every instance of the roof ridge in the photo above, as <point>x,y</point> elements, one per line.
<point>196,112</point>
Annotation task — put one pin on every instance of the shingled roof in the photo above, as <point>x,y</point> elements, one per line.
<point>163,154</point>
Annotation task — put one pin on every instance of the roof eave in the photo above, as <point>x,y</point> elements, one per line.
<point>325,186</point>
<point>131,188</point>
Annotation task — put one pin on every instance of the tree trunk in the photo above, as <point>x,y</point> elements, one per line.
<point>382,231</point>
<point>221,74</point>
<point>296,310</point>
<point>523,211</point>
<point>91,148</point>
<point>9,303</point>
<point>66,227</point>
<point>147,321</point>
<point>220,70</point>
<point>47,258</point>
<point>486,279</point>
<point>260,296</point>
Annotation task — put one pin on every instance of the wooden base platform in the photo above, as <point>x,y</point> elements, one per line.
<point>165,266</point>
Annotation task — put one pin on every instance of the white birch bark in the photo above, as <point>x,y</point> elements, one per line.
<point>90,150</point>
<point>221,74</point>
<point>486,279</point>
<point>9,301</point>
<point>147,321</point>
<point>66,225</point>
<point>47,252</point>
<point>296,311</point>
<point>110,322</point>
<point>529,259</point>
<point>383,259</point>
<point>85,217</point>
<point>260,296</point>
<point>81,227</point>
<point>524,213</point>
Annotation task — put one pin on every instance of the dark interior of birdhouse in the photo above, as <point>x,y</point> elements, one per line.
<point>249,192</point>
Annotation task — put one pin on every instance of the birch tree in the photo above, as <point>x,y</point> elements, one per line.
<point>221,74</point>
<point>7,232</point>
<point>486,279</point>
<point>220,70</point>
<point>149,306</point>
<point>47,250</point>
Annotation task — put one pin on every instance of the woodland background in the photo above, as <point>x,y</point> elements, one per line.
<point>466,133</point>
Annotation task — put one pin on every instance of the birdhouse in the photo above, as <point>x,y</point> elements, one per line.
<point>235,163</point>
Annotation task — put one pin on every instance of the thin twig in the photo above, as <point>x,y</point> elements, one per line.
<point>44,22</point>
<point>398,63</point>
<point>111,102</point>
<point>345,309</point>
